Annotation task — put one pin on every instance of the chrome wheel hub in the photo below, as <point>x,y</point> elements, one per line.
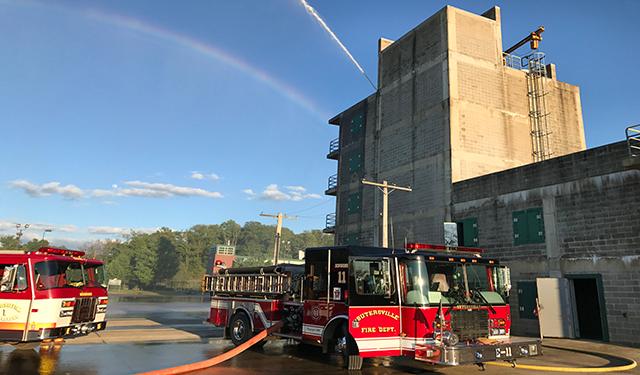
<point>238,330</point>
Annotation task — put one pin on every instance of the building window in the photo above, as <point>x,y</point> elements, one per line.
<point>528,226</point>
<point>354,203</point>
<point>468,232</point>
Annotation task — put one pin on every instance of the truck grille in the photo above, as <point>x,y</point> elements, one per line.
<point>470,324</point>
<point>84,310</point>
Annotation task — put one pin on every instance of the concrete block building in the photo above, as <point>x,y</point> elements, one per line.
<point>575,220</point>
<point>494,142</point>
<point>448,108</point>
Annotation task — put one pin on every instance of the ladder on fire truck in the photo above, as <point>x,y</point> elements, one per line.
<point>272,281</point>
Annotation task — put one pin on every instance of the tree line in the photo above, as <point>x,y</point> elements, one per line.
<point>168,259</point>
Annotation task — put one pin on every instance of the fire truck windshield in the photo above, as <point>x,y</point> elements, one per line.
<point>62,274</point>
<point>460,283</point>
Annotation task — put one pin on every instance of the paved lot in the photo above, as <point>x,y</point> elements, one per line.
<point>147,334</point>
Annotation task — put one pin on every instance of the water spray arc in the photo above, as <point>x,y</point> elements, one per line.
<point>333,36</point>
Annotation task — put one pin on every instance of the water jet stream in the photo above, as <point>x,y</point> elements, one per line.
<point>333,36</point>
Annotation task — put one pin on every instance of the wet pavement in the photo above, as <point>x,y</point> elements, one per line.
<point>176,325</point>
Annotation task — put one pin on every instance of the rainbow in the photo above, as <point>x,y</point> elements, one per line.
<point>204,49</point>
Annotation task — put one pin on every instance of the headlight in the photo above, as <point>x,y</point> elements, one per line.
<point>449,338</point>
<point>66,313</point>
<point>498,331</point>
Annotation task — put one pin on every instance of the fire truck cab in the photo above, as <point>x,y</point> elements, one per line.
<point>50,293</point>
<point>435,304</point>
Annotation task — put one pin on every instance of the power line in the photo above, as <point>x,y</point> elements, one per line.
<point>314,206</point>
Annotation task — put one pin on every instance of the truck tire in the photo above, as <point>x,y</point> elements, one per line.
<point>240,328</point>
<point>346,345</point>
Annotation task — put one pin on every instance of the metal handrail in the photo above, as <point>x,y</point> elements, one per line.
<point>633,140</point>
<point>334,146</point>
<point>512,61</point>
<point>332,183</point>
<point>330,221</point>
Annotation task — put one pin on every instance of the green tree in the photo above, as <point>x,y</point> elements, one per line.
<point>118,262</point>
<point>35,244</point>
<point>178,259</point>
<point>200,243</point>
<point>144,260</point>
<point>10,242</point>
<point>168,258</point>
<point>230,232</point>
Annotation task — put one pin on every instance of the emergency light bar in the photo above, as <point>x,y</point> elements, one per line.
<point>57,251</point>
<point>423,246</point>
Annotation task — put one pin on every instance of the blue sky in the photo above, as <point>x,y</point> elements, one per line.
<point>141,114</point>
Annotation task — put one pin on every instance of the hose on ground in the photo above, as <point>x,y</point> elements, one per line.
<point>217,359</point>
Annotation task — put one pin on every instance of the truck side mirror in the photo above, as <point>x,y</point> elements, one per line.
<point>8,278</point>
<point>21,278</point>
<point>14,278</point>
<point>504,277</point>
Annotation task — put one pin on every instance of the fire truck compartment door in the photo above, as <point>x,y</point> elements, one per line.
<point>555,311</point>
<point>374,314</point>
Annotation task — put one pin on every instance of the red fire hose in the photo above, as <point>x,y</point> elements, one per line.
<point>217,359</point>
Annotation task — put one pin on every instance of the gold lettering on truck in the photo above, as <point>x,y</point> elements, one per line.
<point>10,311</point>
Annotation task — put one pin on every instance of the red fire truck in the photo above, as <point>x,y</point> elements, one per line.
<point>431,303</point>
<point>50,293</point>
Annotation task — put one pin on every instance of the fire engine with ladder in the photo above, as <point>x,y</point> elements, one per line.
<point>50,293</point>
<point>435,304</point>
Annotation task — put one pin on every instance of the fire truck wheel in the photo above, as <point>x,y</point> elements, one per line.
<point>347,347</point>
<point>240,328</point>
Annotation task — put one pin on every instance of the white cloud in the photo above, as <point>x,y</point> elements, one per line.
<point>250,193</point>
<point>77,238</point>
<point>154,190</point>
<point>299,189</point>
<point>132,189</point>
<point>119,231</point>
<point>203,176</point>
<point>273,193</point>
<point>292,193</point>
<point>169,190</point>
<point>9,226</point>
<point>47,189</point>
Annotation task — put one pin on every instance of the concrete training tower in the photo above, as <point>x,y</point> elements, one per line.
<point>450,106</point>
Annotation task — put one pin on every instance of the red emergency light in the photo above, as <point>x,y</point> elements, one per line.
<point>424,246</point>
<point>64,252</point>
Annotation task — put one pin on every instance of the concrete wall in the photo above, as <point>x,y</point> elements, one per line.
<point>591,210</point>
<point>446,110</point>
<point>490,129</point>
<point>405,143</point>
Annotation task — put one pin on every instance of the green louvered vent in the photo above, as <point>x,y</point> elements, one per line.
<point>528,226</point>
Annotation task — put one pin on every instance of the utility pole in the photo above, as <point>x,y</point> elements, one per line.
<point>386,189</point>
<point>276,247</point>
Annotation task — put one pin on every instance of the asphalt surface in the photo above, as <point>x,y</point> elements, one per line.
<point>146,334</point>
